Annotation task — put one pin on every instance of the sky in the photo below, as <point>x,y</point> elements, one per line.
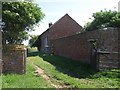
<point>79,10</point>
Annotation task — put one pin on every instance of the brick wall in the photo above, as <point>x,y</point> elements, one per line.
<point>108,61</point>
<point>72,47</point>
<point>0,52</point>
<point>111,60</point>
<point>64,27</point>
<point>119,47</point>
<point>78,48</point>
<point>14,60</point>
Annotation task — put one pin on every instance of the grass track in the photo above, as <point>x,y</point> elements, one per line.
<point>62,71</point>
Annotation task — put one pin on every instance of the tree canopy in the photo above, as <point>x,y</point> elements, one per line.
<point>19,18</point>
<point>103,19</point>
<point>33,39</point>
<point>37,43</point>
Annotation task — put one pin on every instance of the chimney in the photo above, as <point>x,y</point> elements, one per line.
<point>50,24</point>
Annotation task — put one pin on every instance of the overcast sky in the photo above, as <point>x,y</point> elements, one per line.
<point>79,10</point>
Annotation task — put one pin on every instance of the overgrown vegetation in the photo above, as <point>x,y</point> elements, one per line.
<point>37,43</point>
<point>74,74</point>
<point>29,49</point>
<point>33,39</point>
<point>103,19</point>
<point>61,71</point>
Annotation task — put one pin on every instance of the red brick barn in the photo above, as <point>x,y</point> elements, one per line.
<point>64,27</point>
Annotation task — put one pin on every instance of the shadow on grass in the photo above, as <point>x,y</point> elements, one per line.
<point>67,66</point>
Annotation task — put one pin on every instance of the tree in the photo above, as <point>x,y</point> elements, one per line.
<point>33,39</point>
<point>19,38</point>
<point>103,19</point>
<point>19,18</point>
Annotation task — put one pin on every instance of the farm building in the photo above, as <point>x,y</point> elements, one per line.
<point>64,27</point>
<point>99,48</point>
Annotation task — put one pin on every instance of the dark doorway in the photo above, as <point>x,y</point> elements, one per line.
<point>93,54</point>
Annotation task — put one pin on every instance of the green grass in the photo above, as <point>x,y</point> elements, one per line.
<point>28,80</point>
<point>33,49</point>
<point>74,74</point>
<point>62,71</point>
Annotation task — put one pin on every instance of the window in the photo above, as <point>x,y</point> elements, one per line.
<point>46,41</point>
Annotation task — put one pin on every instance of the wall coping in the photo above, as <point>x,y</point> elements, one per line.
<point>13,47</point>
<point>82,33</point>
<point>107,52</point>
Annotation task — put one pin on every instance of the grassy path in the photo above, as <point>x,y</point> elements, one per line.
<point>45,71</point>
<point>40,72</point>
<point>28,80</point>
<point>71,74</point>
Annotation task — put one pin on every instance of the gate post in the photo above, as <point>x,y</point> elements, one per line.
<point>14,58</point>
